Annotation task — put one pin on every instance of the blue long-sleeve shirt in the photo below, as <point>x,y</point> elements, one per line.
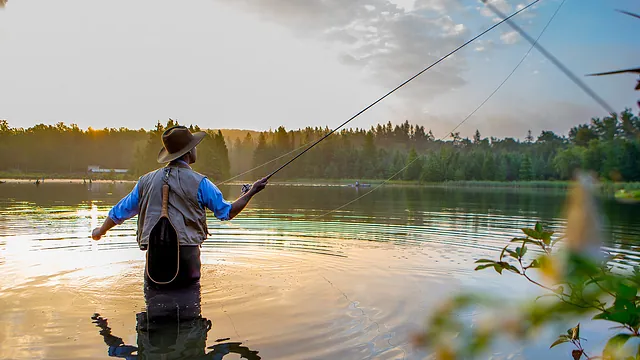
<point>209,196</point>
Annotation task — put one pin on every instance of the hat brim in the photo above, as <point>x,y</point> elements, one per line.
<point>164,156</point>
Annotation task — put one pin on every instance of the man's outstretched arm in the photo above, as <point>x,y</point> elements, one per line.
<point>99,232</point>
<point>125,209</point>
<point>209,196</point>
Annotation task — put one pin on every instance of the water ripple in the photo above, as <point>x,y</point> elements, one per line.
<point>278,279</point>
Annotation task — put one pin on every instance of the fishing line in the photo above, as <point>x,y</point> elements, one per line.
<point>399,86</point>
<point>264,164</point>
<point>553,59</point>
<point>462,122</point>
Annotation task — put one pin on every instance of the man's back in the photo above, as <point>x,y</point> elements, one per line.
<point>186,215</point>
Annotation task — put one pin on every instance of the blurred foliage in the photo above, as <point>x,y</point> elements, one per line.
<point>578,285</point>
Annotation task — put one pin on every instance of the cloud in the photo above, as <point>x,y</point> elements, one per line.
<point>506,9</point>
<point>440,6</point>
<point>380,37</point>
<point>510,37</point>
<point>501,5</point>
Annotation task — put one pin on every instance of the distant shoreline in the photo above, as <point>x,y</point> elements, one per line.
<point>369,183</point>
<point>62,181</point>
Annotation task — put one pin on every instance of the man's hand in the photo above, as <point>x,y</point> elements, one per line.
<point>96,234</point>
<point>99,232</point>
<point>258,186</point>
<point>243,200</point>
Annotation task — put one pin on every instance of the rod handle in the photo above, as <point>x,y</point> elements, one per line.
<point>165,201</point>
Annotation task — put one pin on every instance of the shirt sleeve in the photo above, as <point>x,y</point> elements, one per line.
<point>209,196</point>
<point>126,208</point>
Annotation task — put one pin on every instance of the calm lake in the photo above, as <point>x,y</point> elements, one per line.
<point>278,282</point>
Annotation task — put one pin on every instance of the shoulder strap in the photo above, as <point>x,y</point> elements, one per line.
<point>167,171</point>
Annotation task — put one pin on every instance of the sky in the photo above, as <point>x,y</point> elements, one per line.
<point>260,64</point>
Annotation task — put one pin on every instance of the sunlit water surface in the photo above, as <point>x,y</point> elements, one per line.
<point>279,282</point>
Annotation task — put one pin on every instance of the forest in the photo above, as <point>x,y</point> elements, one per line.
<point>609,146</point>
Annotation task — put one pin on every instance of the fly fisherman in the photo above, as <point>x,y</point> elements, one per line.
<point>191,194</point>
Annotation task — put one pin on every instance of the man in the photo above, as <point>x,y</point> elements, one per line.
<point>190,195</point>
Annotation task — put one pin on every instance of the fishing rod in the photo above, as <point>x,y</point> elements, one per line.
<point>552,58</point>
<point>506,19</point>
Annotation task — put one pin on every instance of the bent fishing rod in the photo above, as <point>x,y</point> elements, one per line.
<point>399,86</point>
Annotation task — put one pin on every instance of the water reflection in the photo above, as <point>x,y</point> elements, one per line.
<point>461,212</point>
<point>356,284</point>
<point>171,327</point>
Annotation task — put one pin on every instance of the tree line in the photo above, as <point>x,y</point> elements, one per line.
<point>67,150</point>
<point>609,146</point>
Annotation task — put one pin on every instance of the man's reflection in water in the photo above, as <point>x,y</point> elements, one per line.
<point>172,327</point>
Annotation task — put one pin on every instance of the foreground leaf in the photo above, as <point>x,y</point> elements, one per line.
<point>483,266</point>
<point>575,332</point>
<point>529,241</point>
<point>538,227</point>
<point>621,316</point>
<point>577,354</point>
<point>561,340</point>
<point>614,345</point>
<point>484,261</point>
<point>532,233</point>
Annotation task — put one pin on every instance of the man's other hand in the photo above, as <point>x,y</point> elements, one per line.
<point>96,234</point>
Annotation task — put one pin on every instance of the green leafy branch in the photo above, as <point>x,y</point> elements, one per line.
<point>573,336</point>
<point>581,286</point>
<point>538,237</point>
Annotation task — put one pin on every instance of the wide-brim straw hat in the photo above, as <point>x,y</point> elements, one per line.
<point>177,141</point>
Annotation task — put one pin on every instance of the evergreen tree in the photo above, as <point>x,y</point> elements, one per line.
<point>529,138</point>
<point>526,171</point>
<point>477,138</point>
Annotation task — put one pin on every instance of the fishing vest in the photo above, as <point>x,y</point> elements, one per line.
<point>185,213</point>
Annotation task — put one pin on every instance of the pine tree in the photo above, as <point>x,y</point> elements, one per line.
<point>526,171</point>
<point>477,138</point>
<point>529,138</point>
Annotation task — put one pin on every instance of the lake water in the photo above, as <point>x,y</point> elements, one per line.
<point>278,282</point>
